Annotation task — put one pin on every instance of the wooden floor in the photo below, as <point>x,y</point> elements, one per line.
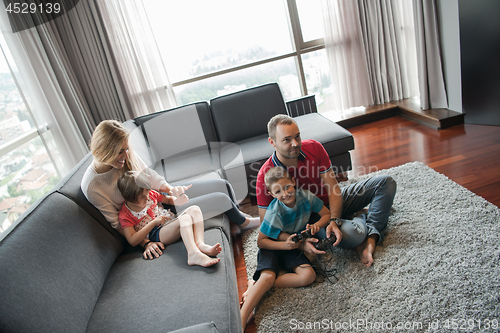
<point>467,154</point>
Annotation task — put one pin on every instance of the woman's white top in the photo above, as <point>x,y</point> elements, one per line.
<point>101,189</point>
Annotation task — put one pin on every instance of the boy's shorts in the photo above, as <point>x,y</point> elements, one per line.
<point>275,259</point>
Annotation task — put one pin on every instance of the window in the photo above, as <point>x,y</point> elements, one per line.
<point>281,71</point>
<point>215,47</point>
<point>318,79</point>
<point>200,37</point>
<point>311,20</point>
<point>27,170</point>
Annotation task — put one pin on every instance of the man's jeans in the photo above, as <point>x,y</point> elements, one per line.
<point>378,192</point>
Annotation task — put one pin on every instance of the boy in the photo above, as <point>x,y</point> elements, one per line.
<point>286,215</point>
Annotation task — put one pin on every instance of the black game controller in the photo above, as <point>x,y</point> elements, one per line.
<point>301,236</point>
<point>321,245</point>
<point>325,243</point>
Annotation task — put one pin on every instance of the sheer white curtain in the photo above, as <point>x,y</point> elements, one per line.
<point>389,40</point>
<point>346,58</point>
<point>42,95</point>
<point>371,51</point>
<point>137,56</point>
<point>431,78</point>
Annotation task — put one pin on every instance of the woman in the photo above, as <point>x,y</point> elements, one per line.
<point>113,156</point>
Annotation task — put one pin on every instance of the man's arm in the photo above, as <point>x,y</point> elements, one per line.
<point>261,192</point>
<point>334,193</point>
<point>324,219</point>
<point>335,201</point>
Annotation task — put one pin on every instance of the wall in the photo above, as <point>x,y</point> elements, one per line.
<point>450,47</point>
<point>480,64</point>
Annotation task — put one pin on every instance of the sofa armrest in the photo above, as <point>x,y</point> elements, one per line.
<point>301,106</point>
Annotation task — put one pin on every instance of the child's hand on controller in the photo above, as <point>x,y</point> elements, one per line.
<point>290,244</point>
<point>313,227</point>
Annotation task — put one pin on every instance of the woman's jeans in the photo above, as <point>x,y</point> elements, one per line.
<point>378,192</point>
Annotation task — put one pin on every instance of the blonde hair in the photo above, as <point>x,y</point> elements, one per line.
<point>131,184</point>
<point>107,141</point>
<point>275,174</point>
<point>279,119</point>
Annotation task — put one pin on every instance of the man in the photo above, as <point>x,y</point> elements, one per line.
<point>308,162</point>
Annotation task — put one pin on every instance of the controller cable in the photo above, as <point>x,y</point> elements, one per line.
<point>321,267</point>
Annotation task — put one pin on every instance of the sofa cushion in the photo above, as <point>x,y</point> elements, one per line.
<point>336,139</point>
<point>189,165</point>
<point>256,149</point>
<point>241,162</point>
<point>190,295</point>
<point>245,114</point>
<point>178,177</point>
<point>184,181</point>
<point>174,132</point>
<point>70,186</point>
<point>203,113</point>
<point>54,262</point>
<point>137,140</point>
<point>174,142</point>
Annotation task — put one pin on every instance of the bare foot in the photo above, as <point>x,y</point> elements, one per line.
<point>366,250</point>
<point>201,259</point>
<point>211,251</point>
<point>249,320</point>
<point>251,316</point>
<point>250,284</point>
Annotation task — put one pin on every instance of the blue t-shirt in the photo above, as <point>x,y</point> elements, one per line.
<point>280,218</point>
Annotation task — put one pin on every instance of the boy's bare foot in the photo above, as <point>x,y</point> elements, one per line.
<point>366,250</point>
<point>201,259</point>
<point>250,284</point>
<point>251,316</point>
<point>211,251</point>
<point>249,320</point>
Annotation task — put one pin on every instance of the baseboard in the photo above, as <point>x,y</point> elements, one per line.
<point>436,118</point>
<point>408,108</point>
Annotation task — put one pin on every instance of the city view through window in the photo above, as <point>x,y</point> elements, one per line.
<point>241,44</point>
<point>26,170</point>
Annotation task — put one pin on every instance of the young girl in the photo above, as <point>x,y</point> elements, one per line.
<point>142,216</point>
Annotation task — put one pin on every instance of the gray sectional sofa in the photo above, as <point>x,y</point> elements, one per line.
<point>64,269</point>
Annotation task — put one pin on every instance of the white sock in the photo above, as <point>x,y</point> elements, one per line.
<point>254,223</point>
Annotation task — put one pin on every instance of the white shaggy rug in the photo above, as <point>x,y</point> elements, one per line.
<point>436,271</point>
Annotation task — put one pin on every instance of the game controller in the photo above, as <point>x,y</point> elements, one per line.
<point>301,236</point>
<point>325,243</point>
<point>321,245</point>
